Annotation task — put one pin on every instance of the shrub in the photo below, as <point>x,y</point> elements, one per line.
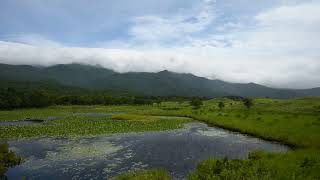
<point>7,159</point>
<point>196,103</point>
<point>221,105</point>
<point>247,103</point>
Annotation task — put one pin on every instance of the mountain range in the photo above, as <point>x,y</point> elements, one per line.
<point>163,83</point>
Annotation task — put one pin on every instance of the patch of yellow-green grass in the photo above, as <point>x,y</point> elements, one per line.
<point>148,118</point>
<point>154,174</point>
<point>134,117</point>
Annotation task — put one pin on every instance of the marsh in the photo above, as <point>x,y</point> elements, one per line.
<point>178,151</point>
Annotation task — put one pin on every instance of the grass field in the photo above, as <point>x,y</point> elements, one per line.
<point>293,122</point>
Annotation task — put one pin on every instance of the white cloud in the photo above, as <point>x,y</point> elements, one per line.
<point>32,39</point>
<point>305,13</point>
<point>151,28</point>
<point>281,50</point>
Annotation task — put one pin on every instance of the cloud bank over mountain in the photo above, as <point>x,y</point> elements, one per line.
<point>274,43</point>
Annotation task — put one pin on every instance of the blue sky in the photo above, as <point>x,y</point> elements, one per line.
<point>269,42</point>
<point>88,23</point>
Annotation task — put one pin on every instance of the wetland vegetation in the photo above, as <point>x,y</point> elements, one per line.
<point>294,122</point>
<point>158,174</point>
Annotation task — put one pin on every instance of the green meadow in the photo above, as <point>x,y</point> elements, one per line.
<point>294,122</point>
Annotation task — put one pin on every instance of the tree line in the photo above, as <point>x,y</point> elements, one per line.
<point>11,98</point>
<point>196,103</point>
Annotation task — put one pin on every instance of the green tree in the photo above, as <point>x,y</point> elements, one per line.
<point>39,99</point>
<point>12,99</point>
<point>196,103</point>
<point>221,105</point>
<point>247,103</point>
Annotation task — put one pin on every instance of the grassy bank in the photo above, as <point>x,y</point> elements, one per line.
<point>155,174</point>
<point>301,164</point>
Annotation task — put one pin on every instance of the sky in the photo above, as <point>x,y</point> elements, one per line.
<point>274,42</point>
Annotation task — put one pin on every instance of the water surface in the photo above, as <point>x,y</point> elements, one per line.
<point>103,157</point>
<point>27,121</point>
<point>21,122</point>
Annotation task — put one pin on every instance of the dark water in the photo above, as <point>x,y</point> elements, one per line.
<point>103,157</point>
<point>20,122</point>
<point>27,121</point>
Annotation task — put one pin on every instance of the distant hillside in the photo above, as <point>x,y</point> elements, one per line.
<point>72,74</point>
<point>163,83</point>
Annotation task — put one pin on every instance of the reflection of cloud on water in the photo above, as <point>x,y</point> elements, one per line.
<point>84,158</point>
<point>213,133</point>
<point>72,154</point>
<point>86,150</point>
<point>123,163</point>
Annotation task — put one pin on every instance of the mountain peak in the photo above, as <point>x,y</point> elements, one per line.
<point>164,71</point>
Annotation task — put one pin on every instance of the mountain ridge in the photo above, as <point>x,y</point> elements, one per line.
<point>162,83</point>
